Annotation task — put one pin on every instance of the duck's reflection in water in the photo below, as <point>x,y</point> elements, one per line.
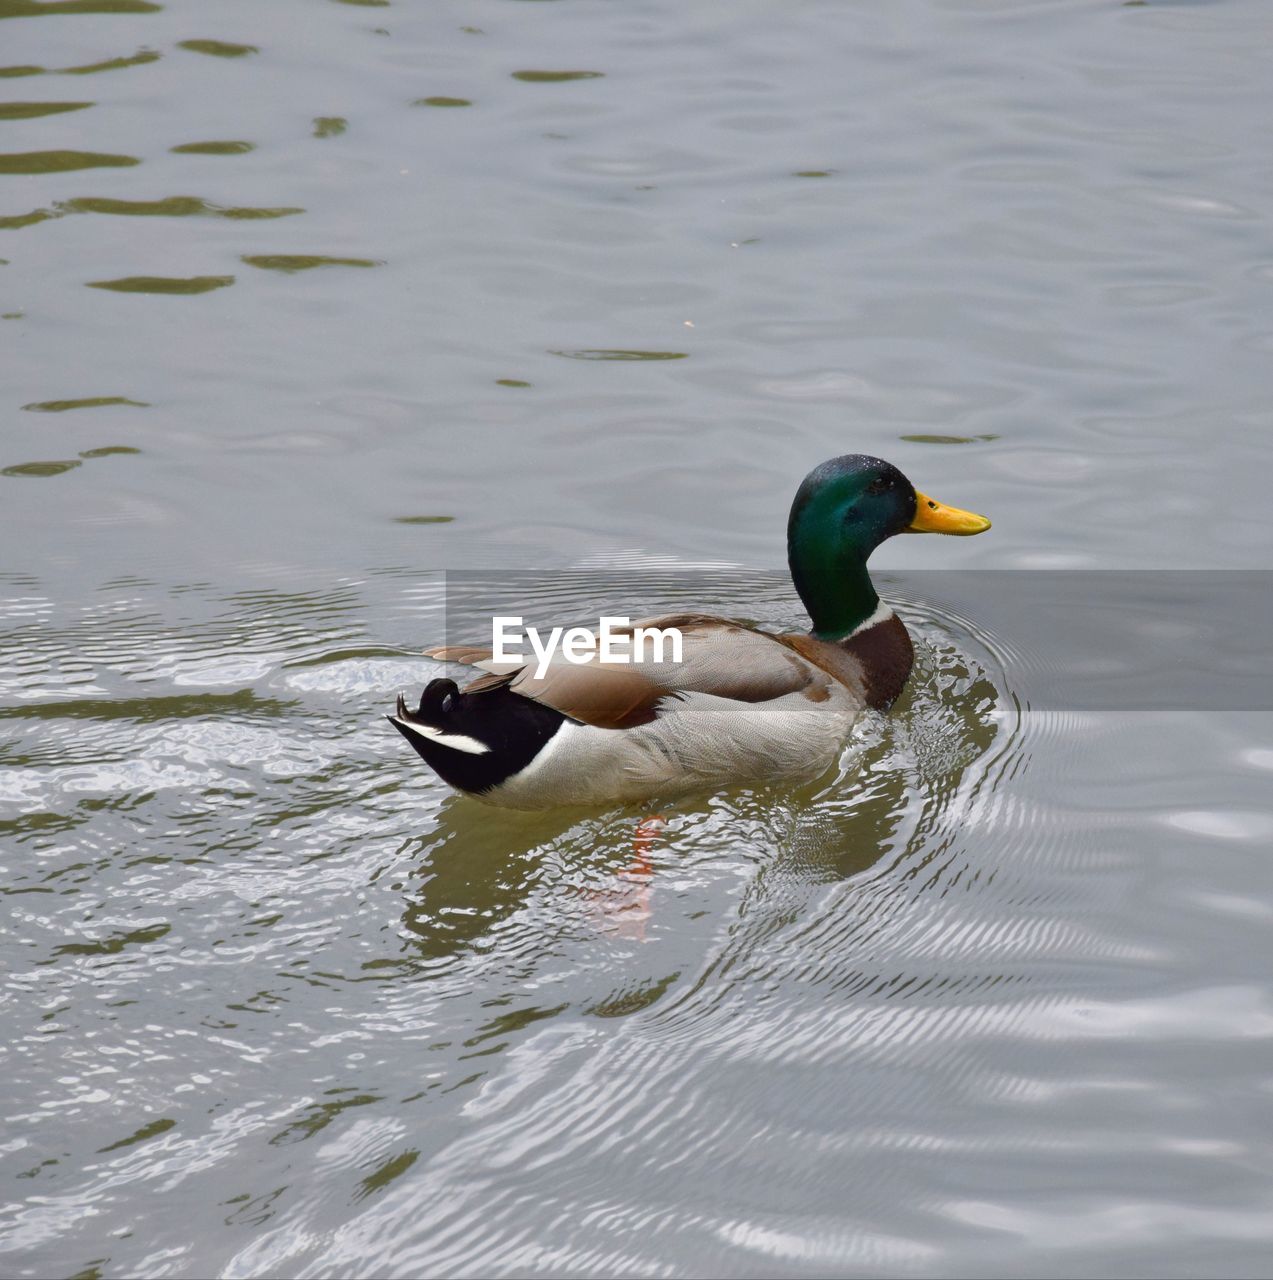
<point>624,907</point>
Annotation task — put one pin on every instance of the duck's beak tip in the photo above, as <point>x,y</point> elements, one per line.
<point>932,516</point>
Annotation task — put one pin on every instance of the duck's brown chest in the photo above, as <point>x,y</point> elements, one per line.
<point>886,655</point>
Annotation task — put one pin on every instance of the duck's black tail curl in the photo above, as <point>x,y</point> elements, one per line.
<point>476,738</point>
<point>437,702</point>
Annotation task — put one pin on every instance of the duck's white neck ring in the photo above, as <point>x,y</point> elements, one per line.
<point>882,614</point>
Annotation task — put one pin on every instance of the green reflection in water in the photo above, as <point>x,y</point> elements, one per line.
<point>423,519</point>
<point>248,212</point>
<point>87,402</point>
<point>507,1024</point>
<point>329,126</point>
<point>441,102</point>
<point>172,207</point>
<point>940,439</point>
<point>19,220</point>
<point>111,64</point>
<point>39,470</point>
<point>511,382</point>
<point>813,173</point>
<point>42,8</point>
<point>618,353</point>
<point>218,48</point>
<point>113,943</point>
<point>397,1165</point>
<point>169,207</point>
<point>232,148</point>
<point>316,1118</point>
<point>163,284</point>
<point>61,161</point>
<point>147,1131</point>
<point>555,77</point>
<point>157,710</point>
<point>108,451</point>
<point>470,876</point>
<point>627,1001</point>
<point>254,1211</point>
<point>366,4</point>
<point>303,261</point>
<point>32,110</point>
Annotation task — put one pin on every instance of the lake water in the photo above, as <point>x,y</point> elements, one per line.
<point>307,303</point>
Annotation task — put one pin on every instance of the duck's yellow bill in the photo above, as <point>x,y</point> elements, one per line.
<point>932,516</point>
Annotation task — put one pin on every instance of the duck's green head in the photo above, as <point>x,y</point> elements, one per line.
<point>842,511</point>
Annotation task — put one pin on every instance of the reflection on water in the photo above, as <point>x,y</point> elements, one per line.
<point>226,148</point>
<point>555,77</point>
<point>290,262</point>
<point>216,767</point>
<point>218,48</point>
<point>137,59</point>
<point>33,162</point>
<point>33,110</point>
<point>40,469</point>
<point>169,207</point>
<point>990,998</point>
<point>616,354</point>
<point>87,402</point>
<point>163,284</point>
<point>459,1012</point>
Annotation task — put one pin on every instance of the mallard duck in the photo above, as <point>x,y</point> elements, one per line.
<point>740,705</point>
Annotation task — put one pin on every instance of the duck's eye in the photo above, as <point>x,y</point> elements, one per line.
<point>878,485</point>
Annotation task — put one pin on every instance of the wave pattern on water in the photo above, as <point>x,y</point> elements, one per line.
<point>450,1005</point>
<point>992,998</point>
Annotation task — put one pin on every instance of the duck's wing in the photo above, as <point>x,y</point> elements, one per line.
<point>607,697</point>
<point>717,656</point>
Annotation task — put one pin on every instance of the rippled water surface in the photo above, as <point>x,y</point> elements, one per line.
<point>306,302</point>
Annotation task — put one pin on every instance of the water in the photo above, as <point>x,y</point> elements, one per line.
<point>381,291</point>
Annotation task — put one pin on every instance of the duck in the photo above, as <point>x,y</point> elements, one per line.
<point>735,705</point>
